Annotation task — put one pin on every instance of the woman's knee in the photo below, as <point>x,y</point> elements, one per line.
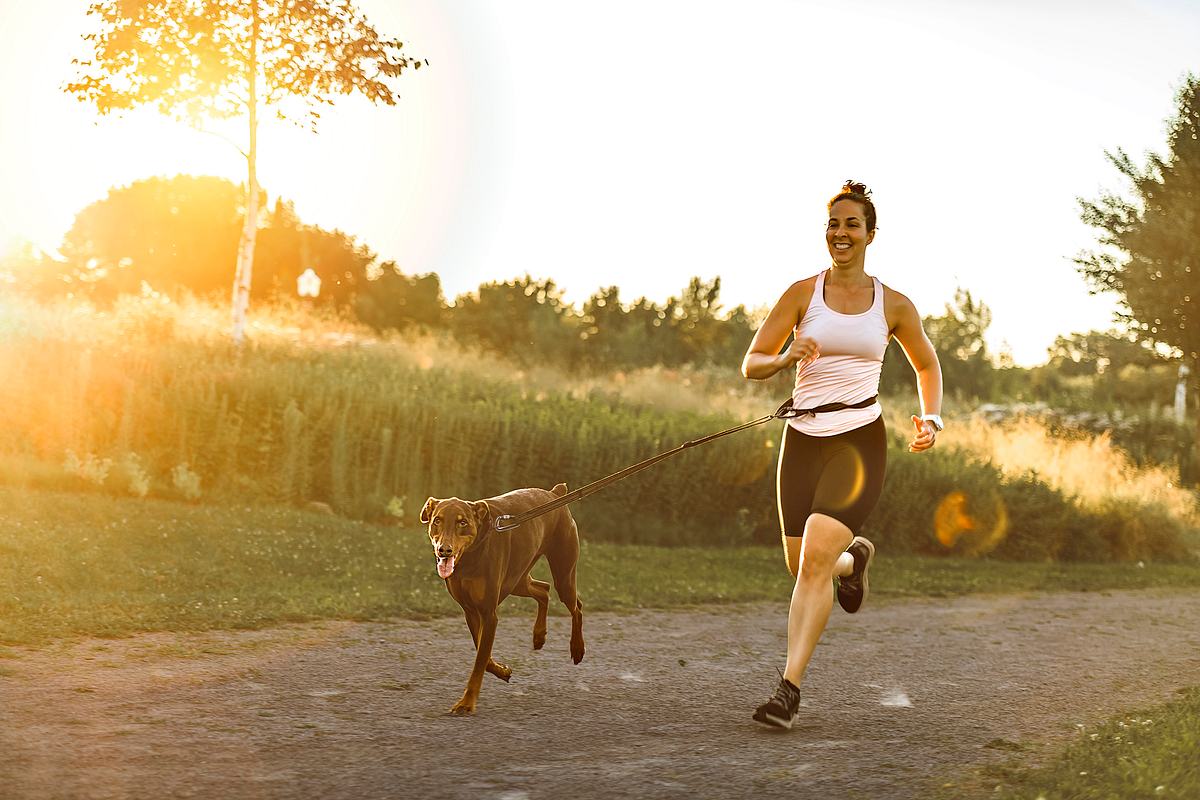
<point>825,539</point>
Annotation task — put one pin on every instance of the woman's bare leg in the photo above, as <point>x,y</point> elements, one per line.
<point>819,556</point>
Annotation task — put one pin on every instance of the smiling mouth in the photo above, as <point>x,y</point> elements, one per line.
<point>445,566</point>
<point>841,245</point>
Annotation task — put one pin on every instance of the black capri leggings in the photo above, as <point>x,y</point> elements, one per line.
<point>840,476</point>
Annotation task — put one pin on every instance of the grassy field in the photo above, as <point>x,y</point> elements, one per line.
<point>80,564</point>
<point>1151,753</point>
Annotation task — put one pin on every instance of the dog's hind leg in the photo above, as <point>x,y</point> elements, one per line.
<point>495,667</point>
<point>540,591</point>
<point>563,555</point>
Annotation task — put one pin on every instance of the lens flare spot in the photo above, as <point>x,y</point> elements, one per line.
<point>951,519</point>
<point>970,525</point>
<point>853,472</point>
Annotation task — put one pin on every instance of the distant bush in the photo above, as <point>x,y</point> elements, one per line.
<point>354,426</point>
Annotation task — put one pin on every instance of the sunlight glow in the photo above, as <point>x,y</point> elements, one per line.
<point>528,147</point>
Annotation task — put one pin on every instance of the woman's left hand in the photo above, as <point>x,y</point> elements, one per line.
<point>926,435</point>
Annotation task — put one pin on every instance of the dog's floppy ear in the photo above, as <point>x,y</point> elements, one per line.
<point>483,514</point>
<point>427,511</point>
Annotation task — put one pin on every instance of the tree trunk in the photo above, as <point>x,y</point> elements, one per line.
<point>245,257</point>
<point>1195,460</point>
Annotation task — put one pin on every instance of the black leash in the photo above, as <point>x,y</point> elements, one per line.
<point>506,522</point>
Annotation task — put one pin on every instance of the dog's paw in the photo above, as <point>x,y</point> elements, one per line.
<point>539,640</point>
<point>463,707</point>
<point>500,671</point>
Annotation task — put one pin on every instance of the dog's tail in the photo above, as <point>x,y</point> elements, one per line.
<point>559,489</point>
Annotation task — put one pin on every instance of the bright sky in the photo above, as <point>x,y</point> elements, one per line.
<point>640,142</point>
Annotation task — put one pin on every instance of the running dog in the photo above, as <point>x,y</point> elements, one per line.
<point>482,566</point>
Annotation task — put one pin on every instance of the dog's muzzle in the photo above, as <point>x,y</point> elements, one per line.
<point>445,562</point>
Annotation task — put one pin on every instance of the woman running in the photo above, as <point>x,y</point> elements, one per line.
<point>832,460</point>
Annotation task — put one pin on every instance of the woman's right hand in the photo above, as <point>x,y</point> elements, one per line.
<point>802,348</point>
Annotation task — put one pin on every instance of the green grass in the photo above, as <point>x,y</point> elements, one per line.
<point>76,564</point>
<point>1151,753</point>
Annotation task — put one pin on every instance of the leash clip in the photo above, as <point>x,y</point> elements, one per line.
<point>788,411</point>
<point>501,523</point>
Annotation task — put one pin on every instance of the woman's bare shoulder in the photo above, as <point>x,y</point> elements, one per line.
<point>896,306</point>
<point>894,299</point>
<point>802,290</point>
<point>795,299</point>
<point>787,312</point>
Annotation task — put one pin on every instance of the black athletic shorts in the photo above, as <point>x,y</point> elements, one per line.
<point>840,476</point>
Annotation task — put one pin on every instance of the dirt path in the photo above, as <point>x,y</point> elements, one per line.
<point>899,698</point>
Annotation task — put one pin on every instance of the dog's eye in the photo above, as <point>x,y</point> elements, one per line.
<point>462,523</point>
<point>437,520</point>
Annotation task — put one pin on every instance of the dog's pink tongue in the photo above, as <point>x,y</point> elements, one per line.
<point>445,566</point>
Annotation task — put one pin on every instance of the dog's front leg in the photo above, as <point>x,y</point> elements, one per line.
<point>483,654</point>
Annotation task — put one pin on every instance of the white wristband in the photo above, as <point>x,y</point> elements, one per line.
<point>935,419</point>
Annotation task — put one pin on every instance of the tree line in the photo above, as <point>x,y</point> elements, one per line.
<point>179,234</point>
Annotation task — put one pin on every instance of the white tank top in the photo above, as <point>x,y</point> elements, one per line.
<point>847,371</point>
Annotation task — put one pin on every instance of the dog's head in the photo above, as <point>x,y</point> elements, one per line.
<point>454,526</point>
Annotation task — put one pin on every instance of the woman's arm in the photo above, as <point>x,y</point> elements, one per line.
<point>923,358</point>
<point>763,358</point>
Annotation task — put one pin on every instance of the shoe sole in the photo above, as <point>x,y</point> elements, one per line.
<point>866,588</point>
<point>870,557</point>
<point>774,722</point>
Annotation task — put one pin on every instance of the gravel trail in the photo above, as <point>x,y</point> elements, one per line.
<point>899,699</point>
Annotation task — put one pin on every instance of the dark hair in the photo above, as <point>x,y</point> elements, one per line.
<point>859,193</point>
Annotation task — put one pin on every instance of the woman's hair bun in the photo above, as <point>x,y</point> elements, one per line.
<point>859,193</point>
<point>854,187</point>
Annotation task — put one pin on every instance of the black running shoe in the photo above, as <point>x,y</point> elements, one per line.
<point>852,590</point>
<point>782,709</point>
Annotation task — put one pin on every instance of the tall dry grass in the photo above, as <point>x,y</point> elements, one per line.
<point>150,399</point>
<point>1090,467</point>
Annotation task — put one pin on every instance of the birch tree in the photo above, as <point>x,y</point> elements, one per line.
<point>204,60</point>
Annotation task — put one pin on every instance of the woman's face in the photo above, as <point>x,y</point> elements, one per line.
<point>846,234</point>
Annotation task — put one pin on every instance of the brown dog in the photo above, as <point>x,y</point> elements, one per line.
<point>482,566</point>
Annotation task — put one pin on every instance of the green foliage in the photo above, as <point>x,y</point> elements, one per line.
<point>947,502</point>
<point>525,319</point>
<point>213,60</point>
<point>957,336</point>
<point>689,329</point>
<point>286,247</point>
<point>1151,241</point>
<point>171,233</point>
<point>529,322</point>
<point>391,300</point>
<point>1100,352</point>
<point>209,60</point>
<point>354,427</point>
<point>181,233</point>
